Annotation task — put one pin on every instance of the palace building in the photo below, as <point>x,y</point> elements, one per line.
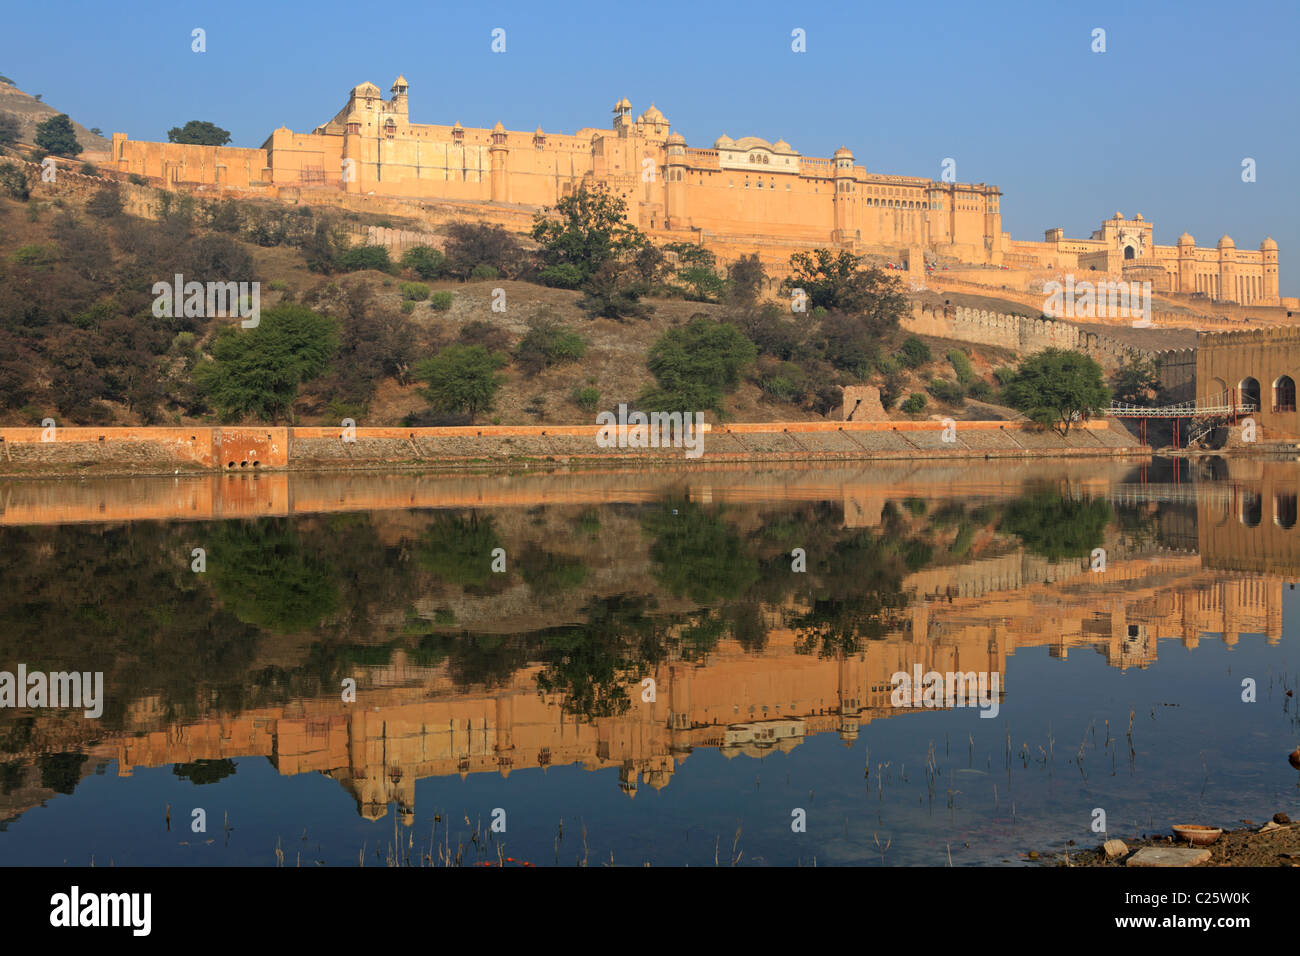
<point>745,193</point>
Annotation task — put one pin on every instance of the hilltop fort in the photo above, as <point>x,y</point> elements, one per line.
<point>736,196</point>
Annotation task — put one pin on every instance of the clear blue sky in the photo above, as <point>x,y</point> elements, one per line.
<point>1158,124</point>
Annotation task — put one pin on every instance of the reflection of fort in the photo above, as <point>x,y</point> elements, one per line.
<point>412,722</point>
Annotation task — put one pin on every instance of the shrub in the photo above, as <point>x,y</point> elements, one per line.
<point>415,291</point>
<point>440,301</point>
<point>277,285</point>
<point>914,353</point>
<point>13,182</point>
<point>407,306</point>
<point>135,179</point>
<point>961,365</point>
<point>364,257</point>
<point>425,261</point>
<point>36,255</point>
<point>1004,374</point>
<point>980,390</point>
<point>483,271</point>
<point>915,403</point>
<point>461,378</point>
<point>586,398</point>
<point>947,391</point>
<point>548,342</point>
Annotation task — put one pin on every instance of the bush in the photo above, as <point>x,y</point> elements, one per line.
<point>915,403</point>
<point>36,255</point>
<point>586,398</point>
<point>425,261</point>
<point>440,301</point>
<point>461,378</point>
<point>1004,374</point>
<point>961,365</point>
<point>106,203</point>
<point>415,291</point>
<point>277,285</point>
<point>547,343</point>
<point>483,271</point>
<point>947,391</point>
<point>364,257</point>
<point>407,306</point>
<point>13,182</point>
<point>980,390</point>
<point>914,353</point>
<point>694,365</point>
<point>470,245</point>
<point>135,179</point>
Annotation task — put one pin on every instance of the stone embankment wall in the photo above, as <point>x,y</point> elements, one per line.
<point>154,450</point>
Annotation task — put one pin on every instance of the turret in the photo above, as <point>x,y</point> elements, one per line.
<point>675,182</point>
<point>1268,251</point>
<point>846,197</point>
<point>500,154</point>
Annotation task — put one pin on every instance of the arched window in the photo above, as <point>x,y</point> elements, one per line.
<point>1248,389</point>
<point>1129,252</point>
<point>1284,394</point>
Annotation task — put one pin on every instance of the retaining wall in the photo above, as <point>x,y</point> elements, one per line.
<point>163,450</point>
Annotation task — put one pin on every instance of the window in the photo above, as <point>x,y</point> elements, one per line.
<point>1284,394</point>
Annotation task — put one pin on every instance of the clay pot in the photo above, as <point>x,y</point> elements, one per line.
<point>1197,835</point>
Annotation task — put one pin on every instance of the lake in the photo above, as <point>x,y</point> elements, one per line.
<point>675,667</point>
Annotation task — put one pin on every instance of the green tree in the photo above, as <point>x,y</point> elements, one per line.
<point>839,281</point>
<point>425,261</point>
<point>57,135</point>
<point>589,230</point>
<point>696,275</point>
<point>1137,381</point>
<point>257,372</point>
<point>1057,387</point>
<point>914,353</point>
<point>13,182</point>
<point>9,129</point>
<point>199,133</point>
<point>461,378</point>
<point>695,364</point>
<point>697,554</point>
<point>745,281</point>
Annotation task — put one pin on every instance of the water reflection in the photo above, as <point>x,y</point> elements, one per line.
<point>639,622</point>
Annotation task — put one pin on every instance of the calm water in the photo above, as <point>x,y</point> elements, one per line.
<point>1119,607</point>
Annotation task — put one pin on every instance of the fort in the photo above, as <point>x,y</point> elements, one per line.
<point>736,196</point>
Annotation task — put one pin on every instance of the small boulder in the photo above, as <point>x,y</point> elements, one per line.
<point>1281,818</point>
<point>1114,849</point>
<point>1168,856</point>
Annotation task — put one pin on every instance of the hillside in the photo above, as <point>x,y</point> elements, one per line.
<point>79,342</point>
<point>30,112</point>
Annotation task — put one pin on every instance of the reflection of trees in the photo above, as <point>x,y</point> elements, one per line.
<point>200,772</point>
<point>591,664</point>
<point>548,573</point>
<point>265,576</point>
<point>1057,527</point>
<point>855,592</point>
<point>121,600</point>
<point>697,554</point>
<point>459,550</point>
<point>60,772</point>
